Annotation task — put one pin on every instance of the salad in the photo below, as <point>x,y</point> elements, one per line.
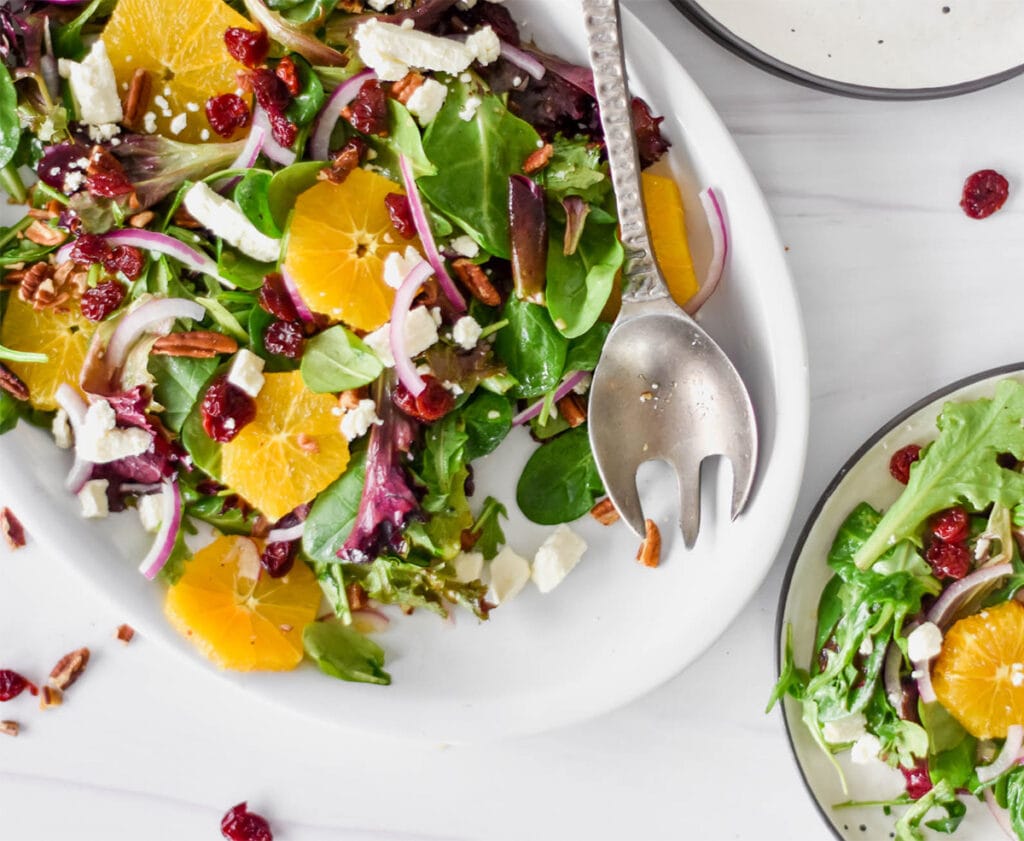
<point>286,270</point>
<point>918,656</point>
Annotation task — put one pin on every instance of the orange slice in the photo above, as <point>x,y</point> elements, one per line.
<point>290,452</point>
<point>667,220</point>
<point>979,674</point>
<point>339,237</point>
<point>61,333</point>
<point>239,618</point>
<point>180,43</point>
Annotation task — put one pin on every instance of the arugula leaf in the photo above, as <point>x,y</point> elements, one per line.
<point>488,528</point>
<point>792,680</point>
<point>334,511</point>
<point>960,465</point>
<point>179,382</point>
<point>560,481</point>
<point>344,653</point>
<point>337,360</point>
<point>908,827</point>
<point>532,348</point>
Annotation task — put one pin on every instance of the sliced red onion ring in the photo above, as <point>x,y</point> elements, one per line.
<point>303,311</point>
<point>956,594</point>
<point>246,158</point>
<point>1007,756</point>
<point>923,677</point>
<point>568,384</point>
<point>719,250</point>
<point>75,408</point>
<point>170,522</point>
<point>891,675</point>
<point>271,148</point>
<point>288,535</point>
<point>309,47</point>
<point>320,139</point>
<point>523,60</point>
<point>407,373</point>
<point>143,318</point>
<point>419,218</point>
<point>1000,814</point>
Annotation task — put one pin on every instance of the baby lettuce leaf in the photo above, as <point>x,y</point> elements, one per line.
<point>488,419</point>
<point>179,382</point>
<point>8,412</point>
<point>285,187</point>
<point>333,514</point>
<point>337,360</point>
<point>960,466</point>
<point>474,159</point>
<point>10,127</point>
<point>345,653</point>
<point>560,481</point>
<point>390,580</point>
<point>444,472</point>
<point>487,528</point>
<point>576,169</point>
<point>251,194</point>
<point>1015,800</point>
<point>403,138</point>
<point>532,348</point>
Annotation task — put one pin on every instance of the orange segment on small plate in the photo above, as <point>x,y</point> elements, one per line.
<point>180,43</point>
<point>239,618</point>
<point>290,452</point>
<point>339,237</point>
<point>973,676</point>
<point>62,333</point>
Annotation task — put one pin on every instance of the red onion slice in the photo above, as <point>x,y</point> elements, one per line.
<point>288,535</point>
<point>891,675</point>
<point>568,384</point>
<point>246,158</point>
<point>304,312</point>
<point>320,139</point>
<point>1007,756</point>
<point>719,250</point>
<point>923,677</point>
<point>271,148</point>
<point>407,373</point>
<point>75,408</point>
<point>167,534</point>
<point>523,60</point>
<point>1000,814</point>
<point>956,594</point>
<point>419,218</point>
<point>144,318</point>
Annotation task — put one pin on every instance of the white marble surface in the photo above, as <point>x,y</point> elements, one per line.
<point>901,293</point>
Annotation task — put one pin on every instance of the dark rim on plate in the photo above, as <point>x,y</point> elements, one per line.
<point>812,519</point>
<point>744,49</point>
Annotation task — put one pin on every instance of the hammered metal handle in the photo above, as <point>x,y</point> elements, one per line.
<point>641,278</point>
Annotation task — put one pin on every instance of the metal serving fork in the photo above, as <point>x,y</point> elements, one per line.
<point>663,389</point>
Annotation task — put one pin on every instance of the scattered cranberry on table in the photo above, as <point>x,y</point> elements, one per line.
<point>984,193</point>
<point>239,824</point>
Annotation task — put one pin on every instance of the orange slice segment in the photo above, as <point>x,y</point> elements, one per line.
<point>239,618</point>
<point>974,674</point>
<point>290,452</point>
<point>339,237</point>
<point>667,220</point>
<point>180,43</point>
<point>62,333</point>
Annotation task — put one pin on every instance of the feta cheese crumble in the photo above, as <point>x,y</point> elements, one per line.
<point>246,372</point>
<point>426,101</point>
<point>842,731</point>
<point>225,219</point>
<point>469,566</point>
<point>466,332</point>
<point>509,574</point>
<point>94,87</point>
<point>420,333</point>
<point>150,508</point>
<point>102,442</point>
<point>865,749</point>
<point>924,642</point>
<point>465,245</point>
<point>93,499</point>
<point>355,423</point>
<point>556,558</point>
<point>397,266</point>
<point>484,45</point>
<point>392,50</point>
<point>61,428</point>
<point>468,111</point>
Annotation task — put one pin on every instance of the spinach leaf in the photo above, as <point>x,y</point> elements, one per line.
<point>488,419</point>
<point>532,348</point>
<point>344,653</point>
<point>334,512</point>
<point>1015,800</point>
<point>830,609</point>
<point>179,383</point>
<point>285,187</point>
<point>337,360</point>
<point>10,127</point>
<point>8,412</point>
<point>403,138</point>
<point>578,284</point>
<point>474,158</point>
<point>310,99</point>
<point>259,321</point>
<point>204,450</point>
<point>575,169</point>
<point>560,481</point>
<point>585,351</point>
<point>241,269</point>
<point>251,194</point>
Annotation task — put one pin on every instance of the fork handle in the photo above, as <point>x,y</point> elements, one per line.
<point>641,278</point>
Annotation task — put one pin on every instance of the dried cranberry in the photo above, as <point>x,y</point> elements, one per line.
<point>400,212</point>
<point>951,525</point>
<point>434,402</point>
<point>368,112</point>
<point>918,781</point>
<point>227,112</point>
<point>108,185</point>
<point>102,299</point>
<point>125,259</point>
<point>246,45</point>
<point>271,93</point>
<point>278,557</point>
<point>899,464</point>
<point>948,560</point>
<point>284,338</point>
<point>273,298</point>
<point>239,824</point>
<point>984,193</point>
<point>226,410</point>
<point>283,129</point>
<point>12,685</point>
<point>287,73</point>
<point>90,248</point>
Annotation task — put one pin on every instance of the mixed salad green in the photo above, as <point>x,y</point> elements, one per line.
<point>916,659</point>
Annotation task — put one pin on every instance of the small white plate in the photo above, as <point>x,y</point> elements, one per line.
<point>613,630</point>
<point>892,49</point>
<point>864,478</point>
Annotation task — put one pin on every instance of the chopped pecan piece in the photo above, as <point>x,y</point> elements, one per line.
<point>307,443</point>
<point>536,161</point>
<point>137,101</point>
<point>605,512</point>
<point>33,276</point>
<point>9,728</point>
<point>357,598</point>
<point>140,220</point>
<point>344,161</point>
<point>42,234</point>
<point>184,219</point>
<point>125,633</point>
<point>198,344</point>
<point>12,383</point>
<point>350,399</point>
<point>14,531</point>
<point>50,697</point>
<point>406,86</point>
<point>476,281</point>
<point>649,553</point>
<point>573,409</point>
<point>68,669</point>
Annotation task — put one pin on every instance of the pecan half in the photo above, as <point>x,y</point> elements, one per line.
<point>125,633</point>
<point>33,276</point>
<point>343,161</point>
<point>9,728</point>
<point>12,383</point>
<point>605,512</point>
<point>13,530</point>
<point>198,344</point>
<point>42,234</point>
<point>573,409</point>
<point>536,161</point>
<point>137,101</point>
<point>406,86</point>
<point>649,553</point>
<point>476,281</point>
<point>68,669</point>
<point>184,219</point>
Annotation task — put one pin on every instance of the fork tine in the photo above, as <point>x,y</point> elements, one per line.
<point>743,464</point>
<point>626,498</point>
<point>688,477</point>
